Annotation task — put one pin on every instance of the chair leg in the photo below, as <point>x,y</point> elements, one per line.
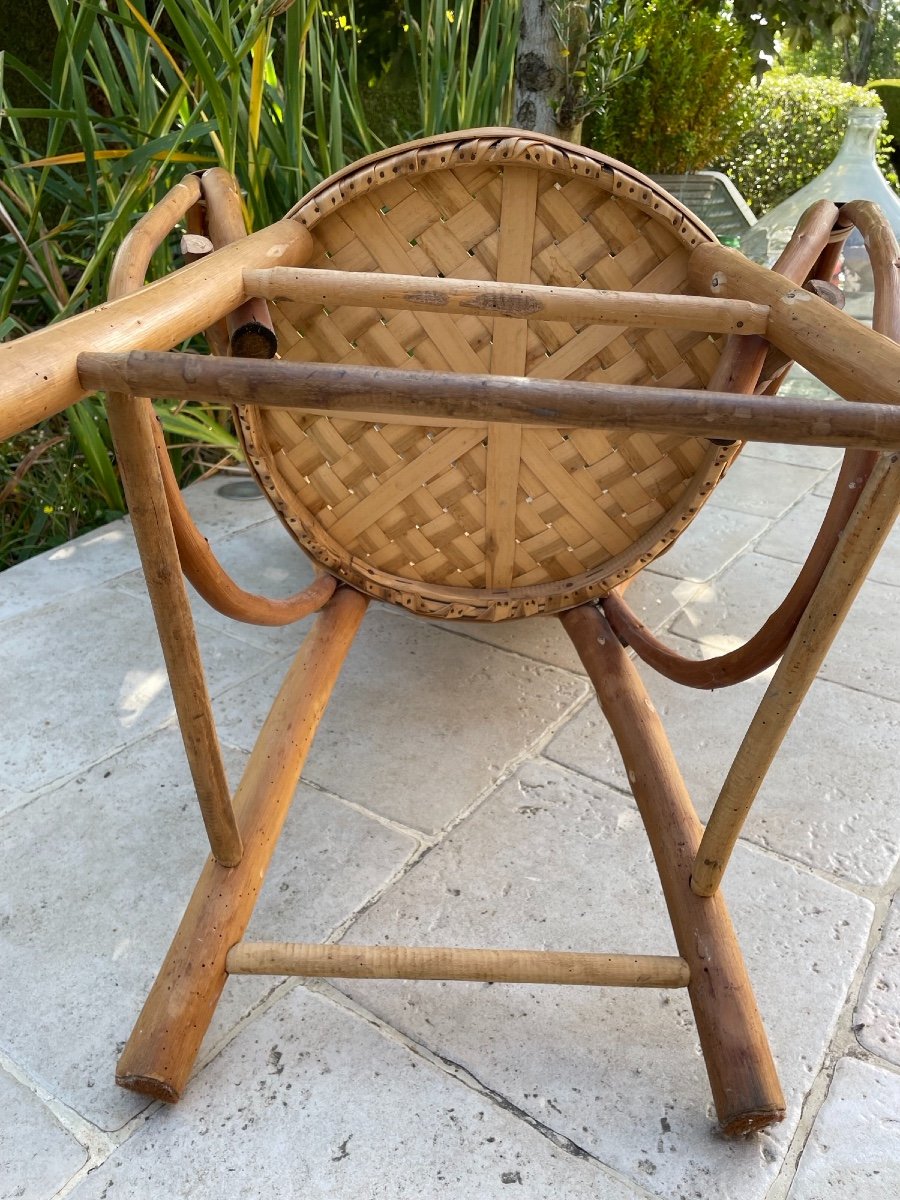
<point>840,582</point>
<point>160,1053</point>
<point>741,1071</point>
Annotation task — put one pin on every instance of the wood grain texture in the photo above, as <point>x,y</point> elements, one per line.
<point>160,1053</point>
<point>38,370</point>
<point>741,1070</point>
<point>467,403</point>
<point>340,961</point>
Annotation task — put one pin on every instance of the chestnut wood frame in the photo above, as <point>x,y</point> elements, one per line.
<point>771,320</point>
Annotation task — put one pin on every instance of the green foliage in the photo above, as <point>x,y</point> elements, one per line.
<point>597,56</point>
<point>674,114</point>
<point>460,87</point>
<point>873,49</point>
<point>136,95</point>
<point>888,92</point>
<point>801,23</point>
<point>791,127</point>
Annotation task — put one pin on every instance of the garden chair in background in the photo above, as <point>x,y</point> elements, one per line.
<point>482,376</point>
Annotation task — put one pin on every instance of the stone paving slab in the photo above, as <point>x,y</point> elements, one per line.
<point>262,559</point>
<point>853,1152</point>
<point>822,458</point>
<point>97,876</point>
<point>877,1019</point>
<point>554,860</point>
<point>829,800</point>
<point>86,561</point>
<point>312,1101</point>
<point>792,537</point>
<point>421,721</point>
<point>710,543</point>
<point>736,604</point>
<point>654,598</point>
<point>36,1156</point>
<point>764,487</point>
<point>89,678</point>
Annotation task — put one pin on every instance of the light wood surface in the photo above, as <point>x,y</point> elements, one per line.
<point>341,961</point>
<point>857,363</point>
<point>742,1074</point>
<point>523,300</point>
<point>143,467</point>
<point>160,1053</point>
<point>38,370</point>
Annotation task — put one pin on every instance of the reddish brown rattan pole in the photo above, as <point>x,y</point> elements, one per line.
<point>813,247</point>
<point>132,425</point>
<point>250,330</point>
<point>847,567</point>
<point>160,1053</point>
<point>742,1074</point>
<point>381,393</point>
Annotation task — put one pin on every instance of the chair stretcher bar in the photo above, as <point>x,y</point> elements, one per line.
<point>485,298</point>
<point>442,962</point>
<point>377,393</point>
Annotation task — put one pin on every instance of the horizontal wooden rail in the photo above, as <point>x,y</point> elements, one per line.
<point>432,397</point>
<point>442,962</point>
<point>485,298</point>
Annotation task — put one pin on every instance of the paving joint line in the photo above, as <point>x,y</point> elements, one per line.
<point>447,1066</point>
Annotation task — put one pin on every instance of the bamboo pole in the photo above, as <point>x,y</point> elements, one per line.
<point>251,333</point>
<point>868,524</point>
<point>441,962</point>
<point>486,298</point>
<point>379,393</point>
<point>198,562</point>
<point>133,427</point>
<point>857,363</point>
<point>160,1053</point>
<point>812,248</point>
<point>742,1074</point>
<point>38,371</point>
<point>841,580</point>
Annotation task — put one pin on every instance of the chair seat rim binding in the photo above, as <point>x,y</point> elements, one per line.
<point>662,509</point>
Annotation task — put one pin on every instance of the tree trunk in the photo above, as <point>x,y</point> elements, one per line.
<point>539,72</point>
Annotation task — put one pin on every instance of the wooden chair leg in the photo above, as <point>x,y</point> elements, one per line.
<point>131,424</point>
<point>841,580</point>
<point>160,1053</point>
<point>741,1070</point>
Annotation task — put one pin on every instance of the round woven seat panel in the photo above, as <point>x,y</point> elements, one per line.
<point>495,520</point>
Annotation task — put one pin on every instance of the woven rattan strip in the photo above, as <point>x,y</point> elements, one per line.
<point>494,521</point>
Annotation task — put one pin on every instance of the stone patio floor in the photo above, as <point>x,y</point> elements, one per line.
<point>463,788</point>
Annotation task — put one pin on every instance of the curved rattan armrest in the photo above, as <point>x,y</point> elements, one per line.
<point>770,641</point>
<point>200,565</point>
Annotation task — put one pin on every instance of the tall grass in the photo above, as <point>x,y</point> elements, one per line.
<point>138,94</point>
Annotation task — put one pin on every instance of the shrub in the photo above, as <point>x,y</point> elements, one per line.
<point>674,115</point>
<point>888,91</point>
<point>791,127</point>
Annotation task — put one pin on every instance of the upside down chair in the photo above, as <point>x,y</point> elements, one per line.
<point>484,376</point>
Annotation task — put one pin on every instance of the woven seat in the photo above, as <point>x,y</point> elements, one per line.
<point>403,511</point>
<point>509,372</point>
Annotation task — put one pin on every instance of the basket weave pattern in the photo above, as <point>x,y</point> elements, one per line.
<point>488,521</point>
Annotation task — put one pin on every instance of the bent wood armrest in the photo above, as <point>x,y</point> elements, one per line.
<point>859,364</point>
<point>198,562</point>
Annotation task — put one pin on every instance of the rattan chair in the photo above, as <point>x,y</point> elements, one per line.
<point>507,373</point>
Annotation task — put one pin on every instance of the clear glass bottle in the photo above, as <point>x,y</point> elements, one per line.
<point>852,175</point>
